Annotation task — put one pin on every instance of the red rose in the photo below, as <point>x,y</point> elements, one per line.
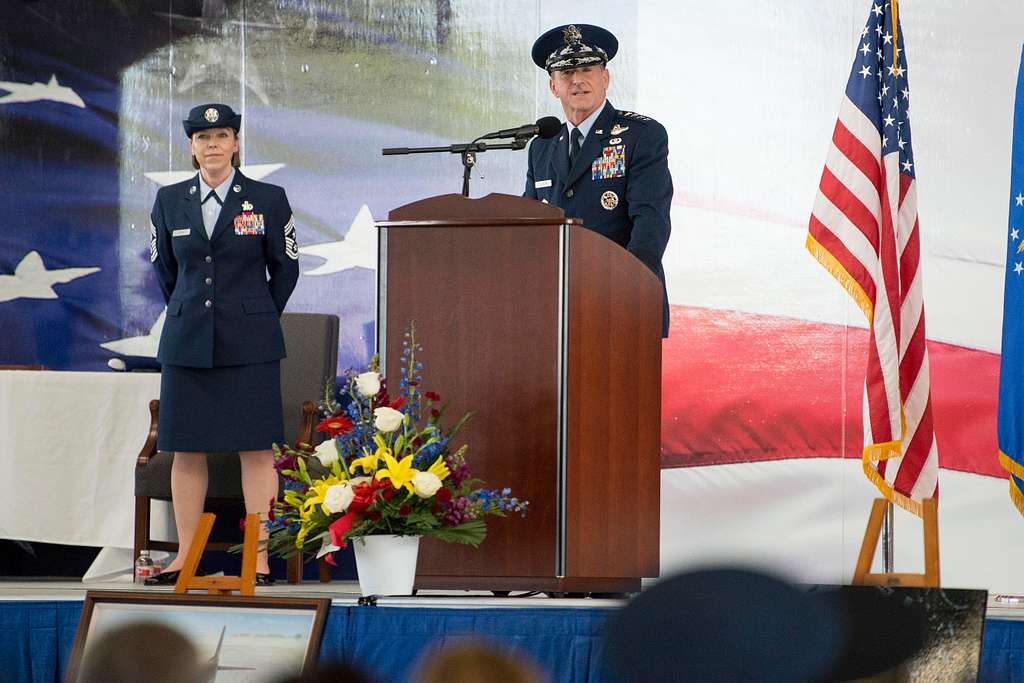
<point>335,425</point>
<point>363,496</point>
<point>443,495</point>
<point>398,402</point>
<point>388,494</point>
<point>431,396</point>
<point>404,510</point>
<point>434,412</point>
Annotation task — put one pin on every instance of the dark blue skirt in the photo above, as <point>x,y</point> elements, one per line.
<point>233,408</point>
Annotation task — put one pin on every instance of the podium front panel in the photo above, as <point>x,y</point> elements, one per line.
<point>485,302</point>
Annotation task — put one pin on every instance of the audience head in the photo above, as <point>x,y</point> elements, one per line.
<point>740,625</point>
<point>475,661</point>
<point>331,672</point>
<point>143,651</point>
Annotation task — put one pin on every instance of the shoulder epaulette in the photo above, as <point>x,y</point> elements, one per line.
<point>634,116</point>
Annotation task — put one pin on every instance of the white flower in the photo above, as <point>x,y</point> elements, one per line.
<point>368,383</point>
<point>425,484</point>
<point>387,419</point>
<point>338,497</point>
<point>327,452</point>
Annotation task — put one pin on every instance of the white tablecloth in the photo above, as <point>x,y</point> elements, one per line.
<point>68,444</point>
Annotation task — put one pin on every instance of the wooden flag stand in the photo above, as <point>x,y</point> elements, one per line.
<point>221,585</point>
<point>862,575</point>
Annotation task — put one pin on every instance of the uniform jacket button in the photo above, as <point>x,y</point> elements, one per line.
<point>209,280</point>
<point>209,259</point>
<point>208,303</point>
<point>569,193</point>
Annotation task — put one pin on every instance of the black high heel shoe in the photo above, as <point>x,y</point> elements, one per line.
<point>171,578</point>
<point>264,579</point>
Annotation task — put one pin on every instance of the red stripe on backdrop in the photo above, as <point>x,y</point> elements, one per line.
<point>739,387</point>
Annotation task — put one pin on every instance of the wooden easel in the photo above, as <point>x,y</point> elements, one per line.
<point>220,585</point>
<point>862,575</point>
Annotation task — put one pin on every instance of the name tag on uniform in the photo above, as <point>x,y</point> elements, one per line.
<point>249,224</point>
<point>181,232</point>
<point>541,183</point>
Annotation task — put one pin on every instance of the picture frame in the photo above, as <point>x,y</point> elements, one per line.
<point>278,636</point>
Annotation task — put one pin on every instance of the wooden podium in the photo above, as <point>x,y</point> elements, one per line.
<point>551,335</point>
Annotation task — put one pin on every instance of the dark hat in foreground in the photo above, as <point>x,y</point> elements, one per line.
<point>211,116</point>
<point>733,624</point>
<point>574,45</point>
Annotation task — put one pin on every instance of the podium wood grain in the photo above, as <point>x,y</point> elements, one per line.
<point>483,281</point>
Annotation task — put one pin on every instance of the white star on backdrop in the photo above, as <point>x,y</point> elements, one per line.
<point>1018,268</point>
<point>38,92</point>
<point>31,279</point>
<point>144,345</point>
<point>1020,199</point>
<point>1014,234</point>
<point>253,171</point>
<point>358,249</point>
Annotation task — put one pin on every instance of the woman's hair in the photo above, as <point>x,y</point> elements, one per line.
<point>236,158</point>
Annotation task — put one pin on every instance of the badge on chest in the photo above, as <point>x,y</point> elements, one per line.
<point>611,163</point>
<point>249,223</point>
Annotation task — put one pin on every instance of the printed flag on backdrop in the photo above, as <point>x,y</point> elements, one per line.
<point>1011,381</point>
<point>864,230</point>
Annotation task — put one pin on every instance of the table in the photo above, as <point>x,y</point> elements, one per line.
<point>68,444</point>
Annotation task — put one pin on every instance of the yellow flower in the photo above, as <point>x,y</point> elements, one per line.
<point>439,468</point>
<point>300,539</point>
<point>369,462</point>
<point>399,472</point>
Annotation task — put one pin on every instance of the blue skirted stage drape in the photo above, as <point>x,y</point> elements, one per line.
<point>36,638</point>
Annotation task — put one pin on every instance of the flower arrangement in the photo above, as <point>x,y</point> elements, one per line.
<point>386,468</point>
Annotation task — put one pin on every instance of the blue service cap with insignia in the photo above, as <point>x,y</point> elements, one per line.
<point>211,116</point>
<point>572,46</point>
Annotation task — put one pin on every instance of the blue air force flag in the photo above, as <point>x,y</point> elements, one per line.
<point>1011,372</point>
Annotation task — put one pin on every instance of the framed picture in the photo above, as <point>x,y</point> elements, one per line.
<point>236,638</point>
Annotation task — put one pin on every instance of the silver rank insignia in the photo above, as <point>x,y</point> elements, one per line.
<point>211,115</point>
<point>618,130</point>
<point>291,245</point>
<point>237,188</point>
<point>615,141</point>
<point>609,200</point>
<point>247,206</point>
<point>192,190</point>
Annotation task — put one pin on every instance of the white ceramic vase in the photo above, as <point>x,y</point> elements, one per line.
<point>386,564</point>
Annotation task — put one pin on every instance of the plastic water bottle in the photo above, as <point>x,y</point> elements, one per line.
<point>144,567</point>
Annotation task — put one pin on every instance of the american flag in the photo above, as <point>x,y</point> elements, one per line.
<point>864,230</point>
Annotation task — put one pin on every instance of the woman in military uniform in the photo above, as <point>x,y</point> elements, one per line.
<point>226,258</point>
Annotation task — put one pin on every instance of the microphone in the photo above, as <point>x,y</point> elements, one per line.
<point>545,127</point>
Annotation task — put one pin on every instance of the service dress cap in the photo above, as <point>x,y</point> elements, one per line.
<point>211,116</point>
<point>573,46</point>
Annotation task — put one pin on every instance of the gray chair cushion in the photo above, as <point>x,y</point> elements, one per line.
<point>311,340</point>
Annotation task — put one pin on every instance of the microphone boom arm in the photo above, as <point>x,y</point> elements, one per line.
<point>468,153</point>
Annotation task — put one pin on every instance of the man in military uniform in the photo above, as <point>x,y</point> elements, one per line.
<point>607,166</point>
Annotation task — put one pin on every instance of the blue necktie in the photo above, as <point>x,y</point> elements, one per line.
<point>574,146</point>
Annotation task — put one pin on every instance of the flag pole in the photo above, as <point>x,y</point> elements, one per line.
<point>888,538</point>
